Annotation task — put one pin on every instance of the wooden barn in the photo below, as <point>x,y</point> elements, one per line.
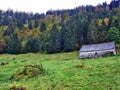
<point>97,50</point>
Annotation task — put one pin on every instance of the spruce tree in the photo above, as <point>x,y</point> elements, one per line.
<point>9,30</point>
<point>69,38</point>
<point>54,43</point>
<point>32,45</point>
<point>92,32</point>
<point>35,45</point>
<point>43,27</point>
<point>14,44</point>
<point>36,24</point>
<point>30,26</point>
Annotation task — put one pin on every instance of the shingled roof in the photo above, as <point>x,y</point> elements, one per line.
<point>98,47</point>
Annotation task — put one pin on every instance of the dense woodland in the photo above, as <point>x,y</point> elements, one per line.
<point>59,30</point>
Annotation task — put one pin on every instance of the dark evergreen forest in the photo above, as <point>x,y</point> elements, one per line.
<point>59,30</point>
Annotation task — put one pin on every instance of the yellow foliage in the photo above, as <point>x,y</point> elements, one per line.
<point>100,23</point>
<point>106,20</point>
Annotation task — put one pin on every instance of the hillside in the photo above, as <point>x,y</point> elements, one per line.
<point>59,30</point>
<point>63,71</point>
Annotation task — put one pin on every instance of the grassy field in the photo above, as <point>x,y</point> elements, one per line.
<point>63,71</point>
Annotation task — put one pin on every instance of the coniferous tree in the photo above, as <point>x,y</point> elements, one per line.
<point>92,32</point>
<point>54,43</point>
<point>36,24</point>
<point>32,45</point>
<point>43,27</point>
<point>9,30</point>
<point>69,38</point>
<point>14,44</point>
<point>19,24</point>
<point>30,26</point>
<point>27,47</point>
<point>35,45</point>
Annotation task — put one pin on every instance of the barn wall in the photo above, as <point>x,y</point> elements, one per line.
<point>93,54</point>
<point>114,51</point>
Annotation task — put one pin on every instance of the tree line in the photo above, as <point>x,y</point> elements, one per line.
<point>60,30</point>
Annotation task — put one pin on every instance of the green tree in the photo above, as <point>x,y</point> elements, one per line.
<point>113,35</point>
<point>20,24</point>
<point>44,38</point>
<point>43,27</point>
<point>9,30</point>
<point>102,36</point>
<point>54,43</point>
<point>30,26</point>
<point>83,28</point>
<point>69,38</point>
<point>32,45</point>
<point>14,44</point>
<point>65,18</point>
<point>36,47</point>
<point>36,23</point>
<point>92,32</point>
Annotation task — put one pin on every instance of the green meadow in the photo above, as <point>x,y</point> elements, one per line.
<point>62,71</point>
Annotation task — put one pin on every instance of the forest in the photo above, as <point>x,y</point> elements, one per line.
<point>59,30</point>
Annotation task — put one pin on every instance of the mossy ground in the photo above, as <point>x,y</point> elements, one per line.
<point>64,71</point>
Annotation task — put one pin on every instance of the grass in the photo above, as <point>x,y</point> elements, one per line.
<point>63,71</point>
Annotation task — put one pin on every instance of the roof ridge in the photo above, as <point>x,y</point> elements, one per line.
<point>98,47</point>
<point>99,43</point>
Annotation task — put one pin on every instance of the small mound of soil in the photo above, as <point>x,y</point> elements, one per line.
<point>28,71</point>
